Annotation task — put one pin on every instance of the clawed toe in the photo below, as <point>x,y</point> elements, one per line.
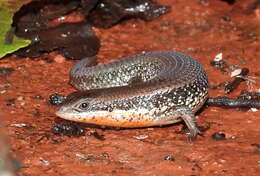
<point>193,134</point>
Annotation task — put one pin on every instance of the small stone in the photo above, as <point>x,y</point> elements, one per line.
<point>253,109</point>
<point>236,72</point>
<point>22,103</point>
<point>169,158</point>
<point>140,137</point>
<point>218,57</point>
<point>39,97</point>
<point>56,99</point>
<point>20,98</point>
<point>190,49</point>
<point>19,125</point>
<point>5,85</point>
<point>86,157</point>
<point>45,162</point>
<point>233,137</point>
<point>105,155</point>
<point>2,91</point>
<point>218,136</point>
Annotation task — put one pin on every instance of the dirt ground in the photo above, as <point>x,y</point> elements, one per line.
<point>201,29</point>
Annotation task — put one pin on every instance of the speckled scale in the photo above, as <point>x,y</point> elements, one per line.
<point>113,74</point>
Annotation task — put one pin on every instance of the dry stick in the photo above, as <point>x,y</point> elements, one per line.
<point>233,102</point>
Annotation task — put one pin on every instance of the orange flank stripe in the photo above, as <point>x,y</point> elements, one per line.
<point>118,123</point>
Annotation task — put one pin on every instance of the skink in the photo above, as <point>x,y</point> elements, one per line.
<point>150,89</point>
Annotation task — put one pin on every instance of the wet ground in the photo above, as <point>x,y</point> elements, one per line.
<point>201,29</point>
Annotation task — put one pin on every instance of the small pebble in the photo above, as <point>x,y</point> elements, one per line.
<point>5,85</point>
<point>253,109</point>
<point>86,157</point>
<point>226,18</point>
<point>45,162</point>
<point>105,155</point>
<point>190,49</point>
<point>20,98</point>
<point>169,158</point>
<point>19,125</point>
<point>3,91</point>
<point>39,97</point>
<point>22,103</point>
<point>56,99</point>
<point>236,72</point>
<point>69,129</point>
<point>218,136</point>
<point>218,57</point>
<point>233,137</point>
<point>140,137</point>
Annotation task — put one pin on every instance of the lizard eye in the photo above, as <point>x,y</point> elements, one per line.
<point>83,106</point>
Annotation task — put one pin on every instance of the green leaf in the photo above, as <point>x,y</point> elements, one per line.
<point>11,43</point>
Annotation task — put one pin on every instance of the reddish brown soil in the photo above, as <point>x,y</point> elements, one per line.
<point>196,29</point>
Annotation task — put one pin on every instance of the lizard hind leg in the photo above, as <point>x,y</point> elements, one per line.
<point>186,114</point>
